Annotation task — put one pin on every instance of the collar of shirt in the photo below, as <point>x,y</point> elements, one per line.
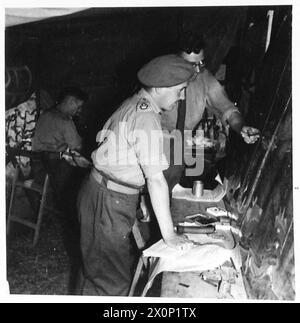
<point>65,115</point>
<point>143,93</point>
<point>194,76</point>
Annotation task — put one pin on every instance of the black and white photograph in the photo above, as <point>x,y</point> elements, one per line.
<point>149,153</point>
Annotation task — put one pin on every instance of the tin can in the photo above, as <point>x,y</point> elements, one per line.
<point>197,188</point>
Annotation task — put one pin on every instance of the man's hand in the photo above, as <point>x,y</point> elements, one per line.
<point>250,134</point>
<point>144,209</point>
<point>74,158</point>
<point>81,161</point>
<point>179,242</point>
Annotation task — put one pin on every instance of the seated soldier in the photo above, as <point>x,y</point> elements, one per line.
<point>55,134</point>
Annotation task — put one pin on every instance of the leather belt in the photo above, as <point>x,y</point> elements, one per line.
<point>111,185</point>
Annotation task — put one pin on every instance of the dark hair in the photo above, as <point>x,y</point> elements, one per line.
<point>72,91</point>
<point>191,42</point>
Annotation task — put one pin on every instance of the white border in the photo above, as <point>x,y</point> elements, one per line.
<point>145,3</point>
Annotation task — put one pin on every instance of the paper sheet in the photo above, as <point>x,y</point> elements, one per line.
<point>199,258</point>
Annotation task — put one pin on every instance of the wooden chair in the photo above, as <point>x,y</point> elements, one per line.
<point>20,181</point>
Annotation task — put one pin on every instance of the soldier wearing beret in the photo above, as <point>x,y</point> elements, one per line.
<point>124,162</point>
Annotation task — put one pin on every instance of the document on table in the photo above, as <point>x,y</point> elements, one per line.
<point>199,258</point>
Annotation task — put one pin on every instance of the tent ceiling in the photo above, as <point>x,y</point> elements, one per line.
<point>17,16</point>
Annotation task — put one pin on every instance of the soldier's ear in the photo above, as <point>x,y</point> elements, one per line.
<point>72,101</point>
<point>159,90</point>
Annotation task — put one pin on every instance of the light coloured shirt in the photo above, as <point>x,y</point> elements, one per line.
<point>131,142</point>
<point>55,132</point>
<point>202,91</point>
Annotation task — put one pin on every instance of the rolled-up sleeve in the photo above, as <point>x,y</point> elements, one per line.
<point>71,135</point>
<point>218,100</point>
<point>148,138</point>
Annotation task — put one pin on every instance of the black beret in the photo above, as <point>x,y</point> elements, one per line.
<point>165,71</point>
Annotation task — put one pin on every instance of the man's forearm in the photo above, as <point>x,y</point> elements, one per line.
<point>159,195</point>
<point>236,122</point>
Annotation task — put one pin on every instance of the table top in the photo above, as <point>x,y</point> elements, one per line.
<point>190,284</point>
<point>181,208</point>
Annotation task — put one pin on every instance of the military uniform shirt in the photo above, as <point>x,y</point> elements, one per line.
<point>131,142</point>
<point>55,132</point>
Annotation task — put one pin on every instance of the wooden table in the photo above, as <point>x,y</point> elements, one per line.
<point>181,208</point>
<point>190,284</point>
